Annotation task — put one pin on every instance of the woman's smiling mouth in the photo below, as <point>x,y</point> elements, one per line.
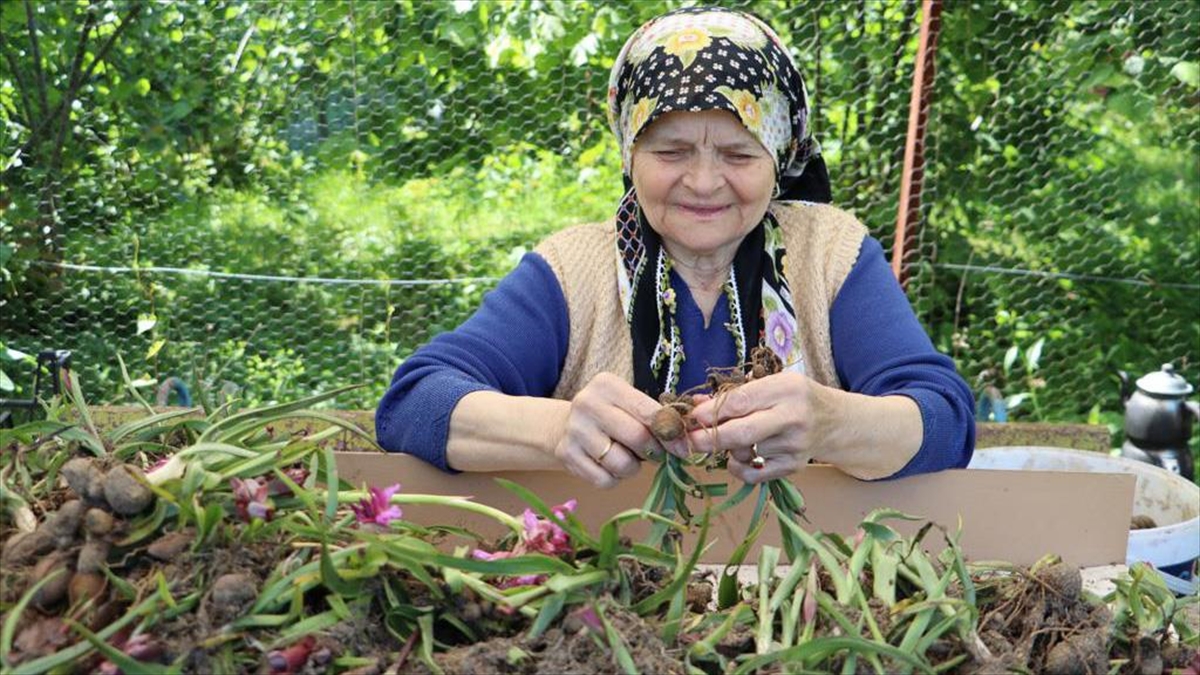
<point>703,211</point>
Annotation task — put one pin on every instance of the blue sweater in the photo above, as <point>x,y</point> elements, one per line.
<point>516,343</point>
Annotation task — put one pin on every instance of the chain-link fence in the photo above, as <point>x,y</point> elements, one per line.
<point>288,197</point>
<point>1062,240</point>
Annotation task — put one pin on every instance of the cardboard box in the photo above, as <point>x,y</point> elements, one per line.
<point>1014,516</point>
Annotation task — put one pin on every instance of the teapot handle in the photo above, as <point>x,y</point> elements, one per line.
<point>1126,387</point>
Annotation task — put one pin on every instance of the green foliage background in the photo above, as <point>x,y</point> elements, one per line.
<point>380,165</point>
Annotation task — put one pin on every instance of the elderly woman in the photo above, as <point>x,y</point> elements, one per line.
<point>720,244</point>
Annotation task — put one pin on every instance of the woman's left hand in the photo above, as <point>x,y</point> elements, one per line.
<point>778,418</point>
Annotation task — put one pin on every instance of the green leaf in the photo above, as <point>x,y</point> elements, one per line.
<point>571,525</point>
<point>532,563</point>
<point>72,654</point>
<point>132,427</point>
<point>312,624</point>
<point>146,322</point>
<point>822,648</point>
<point>1034,355</point>
<point>884,567</point>
<point>155,348</point>
<point>683,573</point>
<point>127,664</point>
<point>828,560</point>
<point>549,612</point>
<point>617,644</point>
<point>332,483</point>
<point>147,525</point>
<point>1010,357</point>
<point>14,615</point>
<point>247,421</point>
<point>764,635</point>
<point>1187,72</point>
<point>425,624</point>
<point>332,580</point>
<point>727,588</point>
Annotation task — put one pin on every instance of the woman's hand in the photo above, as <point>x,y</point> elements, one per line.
<point>778,418</point>
<point>608,431</point>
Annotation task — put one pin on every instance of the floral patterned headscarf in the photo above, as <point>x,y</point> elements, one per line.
<point>698,59</point>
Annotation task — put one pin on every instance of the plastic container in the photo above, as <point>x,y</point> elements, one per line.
<point>1171,500</point>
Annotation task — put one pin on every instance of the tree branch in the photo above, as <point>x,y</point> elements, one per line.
<point>73,84</point>
<point>64,104</point>
<point>77,63</point>
<point>37,56</point>
<point>22,89</point>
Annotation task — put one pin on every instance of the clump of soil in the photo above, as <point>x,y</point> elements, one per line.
<point>568,648</point>
<point>101,547</point>
<point>1039,620</point>
<point>1142,522</point>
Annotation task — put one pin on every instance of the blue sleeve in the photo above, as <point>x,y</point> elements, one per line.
<point>515,343</point>
<point>880,349</point>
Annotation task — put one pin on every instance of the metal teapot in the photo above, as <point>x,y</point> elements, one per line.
<point>1158,419</point>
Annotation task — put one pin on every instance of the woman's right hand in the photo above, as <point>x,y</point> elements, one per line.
<point>608,431</point>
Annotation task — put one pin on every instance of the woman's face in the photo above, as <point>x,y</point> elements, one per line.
<point>703,181</point>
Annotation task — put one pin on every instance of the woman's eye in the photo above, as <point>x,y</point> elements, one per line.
<point>668,154</point>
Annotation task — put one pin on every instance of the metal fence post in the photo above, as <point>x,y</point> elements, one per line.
<point>908,217</point>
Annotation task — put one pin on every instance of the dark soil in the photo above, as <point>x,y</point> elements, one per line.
<point>568,649</point>
<point>1029,621</point>
<point>1041,622</point>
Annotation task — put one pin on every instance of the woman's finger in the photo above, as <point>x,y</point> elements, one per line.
<point>625,414</point>
<point>578,461</point>
<point>741,432</point>
<point>618,460</point>
<point>727,405</point>
<point>751,397</point>
<point>775,467</point>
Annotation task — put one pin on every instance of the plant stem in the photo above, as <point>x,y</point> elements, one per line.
<point>463,503</point>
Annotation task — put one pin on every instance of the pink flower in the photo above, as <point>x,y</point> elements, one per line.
<point>780,333</point>
<point>292,658</point>
<point>540,536</point>
<point>508,582</point>
<point>523,580</point>
<point>277,488</point>
<point>378,508</point>
<point>480,554</point>
<point>140,647</point>
<point>251,499</point>
<point>544,536</point>
<point>589,618</point>
<point>809,604</point>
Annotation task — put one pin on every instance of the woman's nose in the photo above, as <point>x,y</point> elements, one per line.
<point>704,175</point>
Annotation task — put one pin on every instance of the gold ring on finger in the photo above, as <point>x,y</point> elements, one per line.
<point>608,448</point>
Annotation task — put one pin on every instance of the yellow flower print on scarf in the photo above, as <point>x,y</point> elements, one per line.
<point>639,115</point>
<point>686,43</point>
<point>747,106</point>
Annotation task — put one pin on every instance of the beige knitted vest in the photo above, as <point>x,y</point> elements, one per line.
<point>822,245</point>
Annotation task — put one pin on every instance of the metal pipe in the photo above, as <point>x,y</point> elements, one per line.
<point>912,178</point>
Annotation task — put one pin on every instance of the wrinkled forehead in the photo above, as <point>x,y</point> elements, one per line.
<point>704,128</point>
